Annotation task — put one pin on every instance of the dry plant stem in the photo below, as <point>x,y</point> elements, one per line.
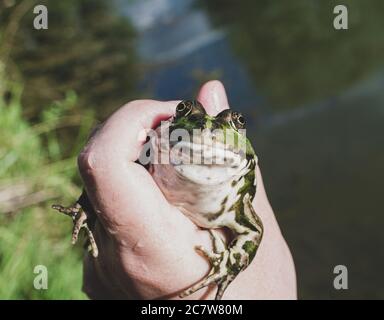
<point>18,196</point>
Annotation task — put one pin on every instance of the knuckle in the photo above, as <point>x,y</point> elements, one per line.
<point>86,160</point>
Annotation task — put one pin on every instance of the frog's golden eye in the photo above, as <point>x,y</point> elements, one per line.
<point>238,120</point>
<point>241,120</point>
<point>184,108</point>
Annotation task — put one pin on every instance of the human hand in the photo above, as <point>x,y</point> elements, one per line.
<point>146,246</point>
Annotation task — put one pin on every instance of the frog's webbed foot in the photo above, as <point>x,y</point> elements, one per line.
<point>219,248</point>
<point>80,221</point>
<point>217,275</point>
<point>227,263</point>
<point>216,259</point>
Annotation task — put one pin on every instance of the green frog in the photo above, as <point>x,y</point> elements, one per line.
<point>206,167</point>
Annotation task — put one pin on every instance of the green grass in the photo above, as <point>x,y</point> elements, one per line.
<point>33,158</point>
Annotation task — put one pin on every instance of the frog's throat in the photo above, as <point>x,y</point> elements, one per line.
<point>217,154</point>
<point>208,171</point>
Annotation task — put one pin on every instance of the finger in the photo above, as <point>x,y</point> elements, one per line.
<point>213,97</point>
<point>123,134</point>
<point>114,183</point>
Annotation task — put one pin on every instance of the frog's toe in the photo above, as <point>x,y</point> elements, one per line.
<point>214,277</point>
<point>211,256</point>
<point>222,285</point>
<point>92,242</point>
<point>206,253</point>
<point>219,245</point>
<point>217,275</point>
<point>71,211</point>
<point>218,259</point>
<point>210,279</point>
<point>79,222</point>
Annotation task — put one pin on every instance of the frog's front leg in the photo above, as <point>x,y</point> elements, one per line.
<point>82,215</point>
<point>228,263</point>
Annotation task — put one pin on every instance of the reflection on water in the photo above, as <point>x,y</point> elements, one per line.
<point>323,173</point>
<point>292,50</point>
<point>181,49</point>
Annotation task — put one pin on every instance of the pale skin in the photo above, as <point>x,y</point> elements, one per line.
<point>147,246</point>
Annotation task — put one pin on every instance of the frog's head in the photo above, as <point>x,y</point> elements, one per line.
<point>212,148</point>
<point>190,114</point>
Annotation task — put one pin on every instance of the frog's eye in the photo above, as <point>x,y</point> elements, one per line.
<point>238,120</point>
<point>241,120</point>
<point>184,108</point>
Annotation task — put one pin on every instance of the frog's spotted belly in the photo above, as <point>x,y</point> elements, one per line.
<point>208,205</point>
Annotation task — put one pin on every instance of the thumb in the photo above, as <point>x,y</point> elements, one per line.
<point>213,97</point>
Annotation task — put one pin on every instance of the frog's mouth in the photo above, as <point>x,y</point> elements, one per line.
<point>206,163</point>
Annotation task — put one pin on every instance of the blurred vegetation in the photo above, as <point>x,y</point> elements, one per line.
<point>53,84</point>
<point>87,48</point>
<point>292,51</point>
<point>33,171</point>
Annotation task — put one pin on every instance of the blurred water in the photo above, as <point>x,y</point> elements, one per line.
<point>180,47</point>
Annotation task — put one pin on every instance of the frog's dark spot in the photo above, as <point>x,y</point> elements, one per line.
<point>237,256</point>
<point>234,183</point>
<point>236,267</point>
<point>250,247</point>
<point>215,215</point>
<point>240,217</point>
<point>234,167</point>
